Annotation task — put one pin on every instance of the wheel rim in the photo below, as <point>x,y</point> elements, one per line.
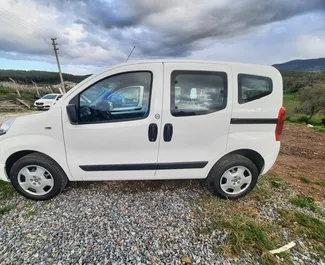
<point>236,180</point>
<point>35,180</point>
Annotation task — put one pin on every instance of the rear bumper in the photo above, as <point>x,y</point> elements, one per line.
<point>269,161</point>
<point>3,173</point>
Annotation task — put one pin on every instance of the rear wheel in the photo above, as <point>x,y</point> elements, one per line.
<point>233,177</point>
<point>38,177</point>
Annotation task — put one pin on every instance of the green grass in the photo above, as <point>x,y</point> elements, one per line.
<point>244,233</point>
<point>7,209</point>
<point>319,128</point>
<point>304,180</point>
<point>276,181</point>
<point>303,224</point>
<point>307,203</point>
<point>6,191</point>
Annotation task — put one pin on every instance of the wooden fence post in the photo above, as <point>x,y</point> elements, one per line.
<point>16,87</point>
<point>35,85</point>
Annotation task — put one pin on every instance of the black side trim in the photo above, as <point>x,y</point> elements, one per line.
<point>182,165</point>
<point>2,132</point>
<point>253,121</point>
<point>151,166</point>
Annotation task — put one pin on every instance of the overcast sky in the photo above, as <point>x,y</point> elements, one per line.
<point>95,34</point>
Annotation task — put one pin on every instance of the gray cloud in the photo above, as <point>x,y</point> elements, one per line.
<point>175,28</point>
<point>101,32</point>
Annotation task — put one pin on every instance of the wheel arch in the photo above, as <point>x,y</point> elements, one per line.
<point>252,155</point>
<point>13,158</point>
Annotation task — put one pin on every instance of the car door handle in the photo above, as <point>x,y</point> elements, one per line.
<point>168,132</point>
<point>152,132</point>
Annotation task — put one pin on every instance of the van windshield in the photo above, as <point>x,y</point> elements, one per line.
<point>49,96</point>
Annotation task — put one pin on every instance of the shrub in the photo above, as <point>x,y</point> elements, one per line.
<point>314,122</point>
<point>312,99</point>
<point>323,121</point>
<point>303,119</point>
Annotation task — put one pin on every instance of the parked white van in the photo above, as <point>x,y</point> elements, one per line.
<point>148,121</point>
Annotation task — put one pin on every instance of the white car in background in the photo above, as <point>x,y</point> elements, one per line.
<point>47,101</point>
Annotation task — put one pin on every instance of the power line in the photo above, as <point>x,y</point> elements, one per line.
<point>22,25</point>
<point>19,20</point>
<point>21,31</point>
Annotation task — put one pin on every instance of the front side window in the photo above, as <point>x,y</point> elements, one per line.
<point>252,87</point>
<point>116,98</point>
<point>197,92</point>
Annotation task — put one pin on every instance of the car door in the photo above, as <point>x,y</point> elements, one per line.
<point>196,117</point>
<point>117,133</point>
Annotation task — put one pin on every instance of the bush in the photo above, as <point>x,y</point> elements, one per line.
<point>314,122</point>
<point>303,119</point>
<point>323,121</point>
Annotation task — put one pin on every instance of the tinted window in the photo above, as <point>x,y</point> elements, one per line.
<point>252,87</point>
<point>197,93</point>
<point>120,97</point>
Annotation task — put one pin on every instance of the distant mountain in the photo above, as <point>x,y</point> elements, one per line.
<point>308,65</point>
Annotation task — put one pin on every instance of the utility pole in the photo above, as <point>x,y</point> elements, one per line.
<point>57,61</point>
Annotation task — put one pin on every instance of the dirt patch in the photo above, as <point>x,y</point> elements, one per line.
<point>302,160</point>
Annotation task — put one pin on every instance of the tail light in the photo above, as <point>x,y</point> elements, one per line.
<point>280,123</point>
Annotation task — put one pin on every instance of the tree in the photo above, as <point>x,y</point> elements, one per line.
<point>313,99</point>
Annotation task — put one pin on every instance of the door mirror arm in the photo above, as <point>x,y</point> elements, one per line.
<point>72,113</point>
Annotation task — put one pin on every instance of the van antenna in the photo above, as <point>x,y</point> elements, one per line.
<point>130,54</point>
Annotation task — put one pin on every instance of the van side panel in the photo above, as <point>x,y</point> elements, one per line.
<point>253,123</point>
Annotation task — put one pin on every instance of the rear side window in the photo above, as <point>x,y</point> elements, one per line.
<point>252,87</point>
<point>197,92</point>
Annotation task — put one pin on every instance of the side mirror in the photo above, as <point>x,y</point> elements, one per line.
<point>72,113</point>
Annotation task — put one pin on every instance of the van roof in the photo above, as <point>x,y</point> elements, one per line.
<point>192,61</point>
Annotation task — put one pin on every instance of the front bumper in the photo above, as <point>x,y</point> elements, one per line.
<point>3,173</point>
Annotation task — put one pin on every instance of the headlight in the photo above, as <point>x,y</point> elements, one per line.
<point>6,125</point>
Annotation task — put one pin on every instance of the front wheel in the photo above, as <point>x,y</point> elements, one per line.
<point>37,177</point>
<point>233,177</point>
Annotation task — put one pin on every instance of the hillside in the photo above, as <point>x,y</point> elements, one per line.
<point>308,65</point>
<point>40,77</point>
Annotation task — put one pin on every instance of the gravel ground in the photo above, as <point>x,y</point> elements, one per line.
<point>114,225</point>
<point>117,223</point>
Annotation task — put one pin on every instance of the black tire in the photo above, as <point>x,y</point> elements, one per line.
<point>59,176</point>
<point>225,164</point>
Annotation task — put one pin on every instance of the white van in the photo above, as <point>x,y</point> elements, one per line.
<point>148,121</point>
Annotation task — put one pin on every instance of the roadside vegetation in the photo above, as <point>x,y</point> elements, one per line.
<point>304,98</point>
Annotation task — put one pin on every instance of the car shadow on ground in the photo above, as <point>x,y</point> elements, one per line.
<point>139,186</point>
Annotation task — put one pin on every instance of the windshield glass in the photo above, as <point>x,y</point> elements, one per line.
<point>49,96</point>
